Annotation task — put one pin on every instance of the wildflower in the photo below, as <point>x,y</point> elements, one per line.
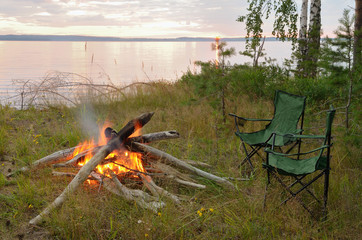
<point>202,209</point>
<point>199,213</point>
<point>30,206</point>
<point>2,164</point>
<point>146,235</point>
<point>159,214</point>
<point>211,210</point>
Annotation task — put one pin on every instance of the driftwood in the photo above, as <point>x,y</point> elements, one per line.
<point>173,174</point>
<point>197,163</point>
<point>156,190</point>
<point>75,159</point>
<point>142,198</point>
<point>181,164</point>
<point>62,154</point>
<point>152,137</point>
<point>84,172</point>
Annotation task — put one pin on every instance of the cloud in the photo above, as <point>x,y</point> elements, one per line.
<point>126,18</point>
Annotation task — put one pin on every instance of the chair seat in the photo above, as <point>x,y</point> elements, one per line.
<point>289,166</point>
<point>260,138</point>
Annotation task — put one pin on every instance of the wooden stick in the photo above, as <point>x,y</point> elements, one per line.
<point>156,190</point>
<point>181,164</point>
<point>197,163</point>
<point>68,174</point>
<point>186,183</point>
<point>174,174</point>
<point>77,157</point>
<point>146,138</point>
<point>59,155</point>
<point>143,199</point>
<point>152,137</point>
<point>84,172</point>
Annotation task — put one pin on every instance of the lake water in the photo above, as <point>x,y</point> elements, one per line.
<point>118,62</point>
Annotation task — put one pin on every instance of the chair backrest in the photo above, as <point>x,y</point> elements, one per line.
<point>288,108</point>
<point>330,116</point>
<point>327,140</point>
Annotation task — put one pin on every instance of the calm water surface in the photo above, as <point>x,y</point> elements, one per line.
<point>118,62</point>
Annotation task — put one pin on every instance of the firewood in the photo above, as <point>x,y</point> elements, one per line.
<point>197,163</point>
<point>59,155</point>
<point>142,198</point>
<point>84,172</point>
<point>76,158</point>
<point>69,174</point>
<point>175,175</point>
<point>152,137</point>
<point>146,138</point>
<point>156,190</point>
<point>181,164</point>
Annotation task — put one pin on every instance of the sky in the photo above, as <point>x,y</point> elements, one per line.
<point>141,18</point>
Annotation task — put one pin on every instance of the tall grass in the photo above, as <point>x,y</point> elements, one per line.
<point>213,213</point>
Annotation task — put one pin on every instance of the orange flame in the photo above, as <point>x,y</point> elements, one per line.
<point>119,161</point>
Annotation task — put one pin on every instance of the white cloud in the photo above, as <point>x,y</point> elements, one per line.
<point>169,18</point>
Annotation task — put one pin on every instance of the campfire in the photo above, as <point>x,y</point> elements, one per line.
<point>124,156</point>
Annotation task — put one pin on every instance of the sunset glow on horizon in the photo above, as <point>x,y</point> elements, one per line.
<point>140,18</point>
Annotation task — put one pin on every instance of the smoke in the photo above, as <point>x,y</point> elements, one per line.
<point>88,121</point>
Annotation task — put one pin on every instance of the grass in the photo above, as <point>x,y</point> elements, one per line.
<point>213,213</point>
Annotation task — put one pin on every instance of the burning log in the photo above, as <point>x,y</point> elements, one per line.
<point>181,164</point>
<point>75,159</point>
<point>84,172</point>
<point>109,133</point>
<point>152,137</point>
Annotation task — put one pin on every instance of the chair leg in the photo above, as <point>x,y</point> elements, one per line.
<point>325,197</point>
<point>293,195</point>
<point>248,156</point>
<point>299,180</point>
<point>266,189</point>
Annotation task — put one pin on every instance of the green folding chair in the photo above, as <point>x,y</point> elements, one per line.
<point>301,165</point>
<point>288,110</point>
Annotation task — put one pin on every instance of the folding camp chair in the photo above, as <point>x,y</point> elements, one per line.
<point>288,109</point>
<point>293,165</point>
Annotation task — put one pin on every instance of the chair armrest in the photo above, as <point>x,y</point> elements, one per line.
<point>249,119</point>
<point>269,150</point>
<point>300,136</point>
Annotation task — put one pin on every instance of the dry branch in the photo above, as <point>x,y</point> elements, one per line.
<point>146,138</point>
<point>75,159</point>
<point>156,190</point>
<point>84,172</point>
<point>175,175</point>
<point>143,199</point>
<point>181,164</point>
<point>197,163</point>
<point>152,137</point>
<point>62,154</point>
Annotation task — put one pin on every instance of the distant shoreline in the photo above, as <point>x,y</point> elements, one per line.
<point>75,38</point>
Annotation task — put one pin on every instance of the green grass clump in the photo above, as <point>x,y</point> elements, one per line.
<point>213,213</point>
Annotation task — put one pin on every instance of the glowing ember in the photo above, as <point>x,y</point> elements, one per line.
<point>119,162</point>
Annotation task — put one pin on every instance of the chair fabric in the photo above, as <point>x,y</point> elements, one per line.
<point>288,109</point>
<point>295,165</point>
<point>289,165</point>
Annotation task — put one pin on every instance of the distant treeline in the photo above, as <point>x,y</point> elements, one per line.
<point>73,38</point>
